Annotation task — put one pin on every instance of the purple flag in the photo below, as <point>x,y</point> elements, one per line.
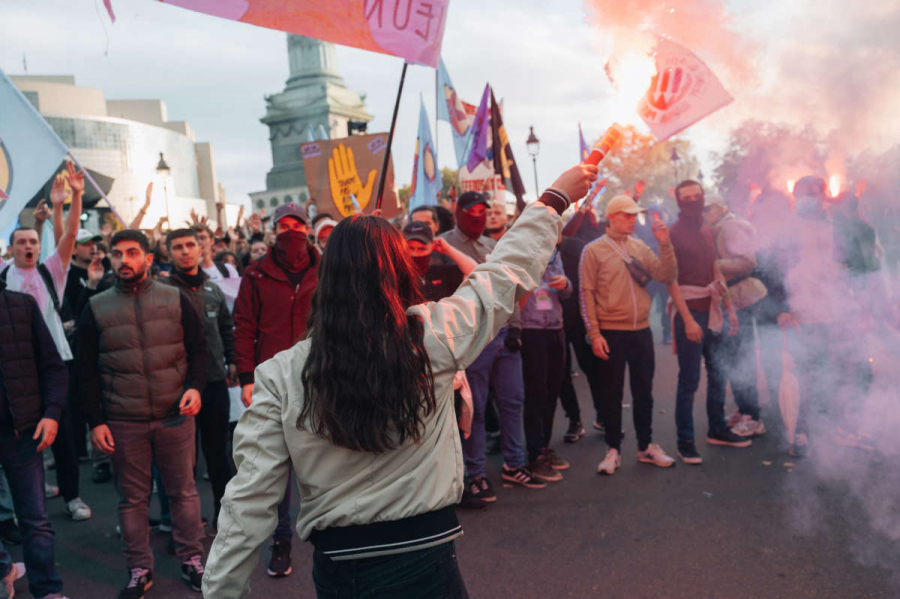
<point>480,131</point>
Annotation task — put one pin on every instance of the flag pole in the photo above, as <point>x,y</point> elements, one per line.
<point>436,146</point>
<point>390,140</point>
<point>87,176</point>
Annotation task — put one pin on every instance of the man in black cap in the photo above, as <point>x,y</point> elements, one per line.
<point>438,280</point>
<point>500,363</point>
<point>270,316</point>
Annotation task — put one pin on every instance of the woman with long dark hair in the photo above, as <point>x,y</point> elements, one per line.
<point>363,411</point>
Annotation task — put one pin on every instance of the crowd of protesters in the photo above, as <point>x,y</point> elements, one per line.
<point>135,349</point>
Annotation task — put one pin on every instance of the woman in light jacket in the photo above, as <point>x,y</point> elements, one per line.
<point>363,410</point>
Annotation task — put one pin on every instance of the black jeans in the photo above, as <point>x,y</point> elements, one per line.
<point>587,361</point>
<point>64,449</point>
<point>635,350</point>
<point>212,426</point>
<point>431,573</point>
<point>543,363</point>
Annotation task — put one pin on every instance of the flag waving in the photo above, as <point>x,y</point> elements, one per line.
<point>683,91</point>
<point>452,109</point>
<point>480,132</point>
<point>29,151</point>
<point>583,149</point>
<point>412,30</point>
<point>504,163</point>
<point>426,182</point>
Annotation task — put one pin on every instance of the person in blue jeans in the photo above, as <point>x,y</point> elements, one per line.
<point>33,387</point>
<point>499,364</point>
<point>698,327</point>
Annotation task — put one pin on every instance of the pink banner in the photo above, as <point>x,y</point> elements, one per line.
<point>410,29</point>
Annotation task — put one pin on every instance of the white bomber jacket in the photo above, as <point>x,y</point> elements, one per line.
<point>357,504</point>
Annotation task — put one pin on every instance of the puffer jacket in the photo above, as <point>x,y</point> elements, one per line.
<point>340,488</point>
<point>269,314</point>
<point>33,378</point>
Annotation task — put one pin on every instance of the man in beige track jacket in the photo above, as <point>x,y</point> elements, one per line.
<point>616,311</point>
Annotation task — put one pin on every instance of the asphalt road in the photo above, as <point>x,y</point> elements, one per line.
<point>744,524</point>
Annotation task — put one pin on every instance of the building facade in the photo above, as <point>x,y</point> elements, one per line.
<point>123,139</point>
<point>315,99</point>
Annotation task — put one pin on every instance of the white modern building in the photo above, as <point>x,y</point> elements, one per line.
<point>124,139</point>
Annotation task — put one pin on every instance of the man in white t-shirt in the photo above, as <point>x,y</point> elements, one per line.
<point>222,274</point>
<point>27,276</point>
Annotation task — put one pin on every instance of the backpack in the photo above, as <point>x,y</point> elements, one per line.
<point>223,270</point>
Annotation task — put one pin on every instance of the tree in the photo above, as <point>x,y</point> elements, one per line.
<point>638,157</point>
<point>403,196</point>
<point>767,156</point>
<point>449,177</point>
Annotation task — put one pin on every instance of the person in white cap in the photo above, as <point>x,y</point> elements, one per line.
<point>616,311</point>
<point>323,230</point>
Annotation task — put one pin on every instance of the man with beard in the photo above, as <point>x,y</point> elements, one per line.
<point>698,329</point>
<point>497,220</point>
<point>500,362</point>
<point>142,362</point>
<point>270,316</point>
<point>212,421</point>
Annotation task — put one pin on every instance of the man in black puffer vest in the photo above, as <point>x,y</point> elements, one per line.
<point>142,362</point>
<point>33,386</point>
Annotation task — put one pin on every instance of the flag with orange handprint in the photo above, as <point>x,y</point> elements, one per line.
<point>346,171</point>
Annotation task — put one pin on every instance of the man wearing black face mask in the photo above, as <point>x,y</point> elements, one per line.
<point>500,363</point>
<point>270,316</point>
<point>438,280</point>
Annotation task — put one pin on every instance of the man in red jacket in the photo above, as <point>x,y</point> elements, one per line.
<point>270,316</point>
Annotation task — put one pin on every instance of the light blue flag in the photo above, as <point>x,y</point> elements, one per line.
<point>310,134</point>
<point>426,179</point>
<point>451,109</point>
<point>30,152</point>
<point>323,134</point>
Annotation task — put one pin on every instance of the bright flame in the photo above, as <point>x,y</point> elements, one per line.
<point>632,71</point>
<point>834,185</point>
<point>790,186</point>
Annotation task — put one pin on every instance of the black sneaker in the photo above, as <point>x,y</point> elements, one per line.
<point>728,439</point>
<point>481,488</point>
<point>192,572</point>
<point>689,454</point>
<point>470,502</point>
<point>542,470</point>
<point>280,564</point>
<point>522,476</point>
<point>10,533</point>
<point>141,581</point>
<point>102,473</point>
<point>575,432</point>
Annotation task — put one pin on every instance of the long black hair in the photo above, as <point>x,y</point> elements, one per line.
<point>367,381</point>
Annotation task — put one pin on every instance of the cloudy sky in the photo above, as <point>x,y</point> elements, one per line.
<point>547,64</point>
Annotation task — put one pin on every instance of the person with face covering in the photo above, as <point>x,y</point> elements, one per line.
<point>438,280</point>
<point>500,363</point>
<point>698,326</point>
<point>270,316</point>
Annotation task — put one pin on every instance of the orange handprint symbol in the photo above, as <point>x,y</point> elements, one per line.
<point>345,181</point>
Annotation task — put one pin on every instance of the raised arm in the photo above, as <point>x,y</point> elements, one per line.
<point>467,321</point>
<point>463,262</point>
<point>66,244</point>
<point>136,223</point>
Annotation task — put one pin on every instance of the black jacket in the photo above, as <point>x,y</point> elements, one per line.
<point>218,325</point>
<point>34,378</point>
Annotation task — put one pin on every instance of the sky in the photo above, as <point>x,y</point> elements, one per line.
<point>545,62</point>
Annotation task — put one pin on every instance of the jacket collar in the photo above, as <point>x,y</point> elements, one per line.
<point>134,288</point>
<point>270,268</point>
<point>183,279</point>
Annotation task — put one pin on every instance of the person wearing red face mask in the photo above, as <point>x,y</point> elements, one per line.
<point>270,316</point>
<point>438,280</point>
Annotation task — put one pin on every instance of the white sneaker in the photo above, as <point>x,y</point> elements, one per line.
<point>609,464</point>
<point>78,509</point>
<point>747,427</point>
<point>50,491</point>
<point>655,455</point>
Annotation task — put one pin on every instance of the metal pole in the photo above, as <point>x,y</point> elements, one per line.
<point>390,140</point>
<point>537,189</point>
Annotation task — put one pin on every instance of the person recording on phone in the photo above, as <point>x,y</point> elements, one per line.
<point>363,410</point>
<point>616,311</point>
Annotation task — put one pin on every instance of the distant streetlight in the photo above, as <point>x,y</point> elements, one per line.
<point>675,158</point>
<point>534,148</point>
<point>700,176</point>
<point>163,170</point>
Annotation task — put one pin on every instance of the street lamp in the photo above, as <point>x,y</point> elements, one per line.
<point>534,148</point>
<point>675,158</point>
<point>700,176</point>
<point>163,170</point>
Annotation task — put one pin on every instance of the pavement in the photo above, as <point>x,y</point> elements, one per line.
<point>747,523</point>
